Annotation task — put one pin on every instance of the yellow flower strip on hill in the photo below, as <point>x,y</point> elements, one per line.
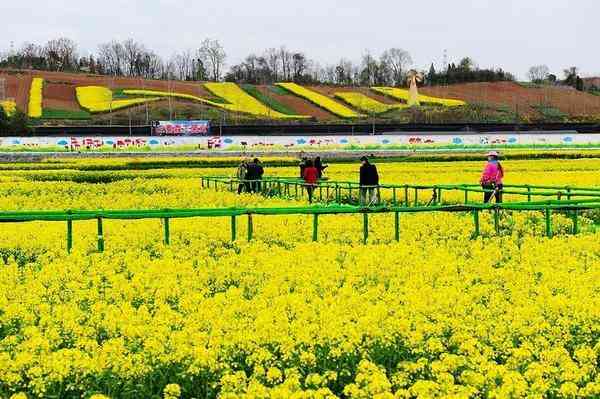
<point>436,315</point>
<point>9,107</point>
<point>403,94</point>
<point>320,100</point>
<point>34,110</point>
<point>367,104</point>
<point>97,99</point>
<point>240,101</point>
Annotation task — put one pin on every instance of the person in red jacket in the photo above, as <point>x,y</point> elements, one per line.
<point>310,176</point>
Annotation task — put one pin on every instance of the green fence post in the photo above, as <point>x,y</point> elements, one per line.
<point>466,195</point>
<point>250,227</point>
<point>575,221</point>
<point>397,225</point>
<point>327,192</point>
<point>548,212</point>
<point>416,196</point>
<point>167,232</point>
<point>394,201</point>
<point>69,235</point>
<point>320,193</point>
<point>365,227</point>
<point>406,195</point>
<point>100,235</point>
<point>439,196</point>
<point>315,236</point>
<point>497,220</point>
<point>337,194</point>
<point>233,228</point>
<point>528,193</point>
<point>202,182</point>
<point>569,193</point>
<point>476,223</point>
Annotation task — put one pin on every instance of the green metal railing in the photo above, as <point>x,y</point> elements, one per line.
<point>342,192</point>
<point>572,208</point>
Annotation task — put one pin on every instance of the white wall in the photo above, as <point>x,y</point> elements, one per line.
<point>309,142</point>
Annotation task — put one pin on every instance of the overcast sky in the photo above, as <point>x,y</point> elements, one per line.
<point>512,34</point>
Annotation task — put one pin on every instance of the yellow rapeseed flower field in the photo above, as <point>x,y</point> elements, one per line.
<point>240,101</point>
<point>320,100</point>
<point>100,99</point>
<point>434,315</point>
<point>403,94</point>
<point>8,106</point>
<point>34,109</point>
<point>366,104</point>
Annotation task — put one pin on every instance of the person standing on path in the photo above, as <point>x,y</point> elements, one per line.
<point>320,167</point>
<point>369,183</point>
<point>310,176</point>
<point>302,165</point>
<point>254,175</point>
<point>491,178</point>
<point>242,175</point>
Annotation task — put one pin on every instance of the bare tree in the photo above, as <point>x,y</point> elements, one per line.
<point>272,58</point>
<point>112,56</point>
<point>299,67</point>
<point>184,65</point>
<point>369,67</point>
<point>345,72</point>
<point>61,54</point>
<point>398,61</point>
<point>133,55</point>
<point>538,73</point>
<point>213,57</point>
<point>286,63</point>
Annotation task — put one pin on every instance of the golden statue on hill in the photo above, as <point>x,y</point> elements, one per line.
<point>413,77</point>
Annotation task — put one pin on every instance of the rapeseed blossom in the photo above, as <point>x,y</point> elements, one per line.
<point>320,100</point>
<point>367,104</point>
<point>403,94</point>
<point>435,315</point>
<point>100,99</point>
<point>34,110</point>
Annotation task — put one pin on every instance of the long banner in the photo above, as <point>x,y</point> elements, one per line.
<point>182,128</point>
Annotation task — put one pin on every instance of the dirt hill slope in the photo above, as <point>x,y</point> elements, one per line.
<point>59,94</point>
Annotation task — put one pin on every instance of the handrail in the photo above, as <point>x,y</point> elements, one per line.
<point>340,191</point>
<point>548,207</point>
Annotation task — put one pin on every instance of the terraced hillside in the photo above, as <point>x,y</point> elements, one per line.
<point>69,98</point>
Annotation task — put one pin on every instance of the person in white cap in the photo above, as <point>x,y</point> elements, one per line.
<point>491,178</point>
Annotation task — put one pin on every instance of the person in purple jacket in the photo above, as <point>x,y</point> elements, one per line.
<point>491,178</point>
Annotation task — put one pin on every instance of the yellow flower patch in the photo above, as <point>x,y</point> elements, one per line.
<point>320,100</point>
<point>367,104</point>
<point>403,95</point>
<point>97,99</point>
<point>34,110</point>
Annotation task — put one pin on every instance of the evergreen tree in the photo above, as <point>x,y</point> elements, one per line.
<point>431,76</point>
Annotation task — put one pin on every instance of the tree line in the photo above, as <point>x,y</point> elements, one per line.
<point>131,58</point>
<point>540,74</point>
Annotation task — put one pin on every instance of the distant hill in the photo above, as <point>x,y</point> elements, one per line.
<point>497,102</point>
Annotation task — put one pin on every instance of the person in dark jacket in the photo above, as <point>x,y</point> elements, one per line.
<point>369,183</point>
<point>254,175</point>
<point>320,167</point>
